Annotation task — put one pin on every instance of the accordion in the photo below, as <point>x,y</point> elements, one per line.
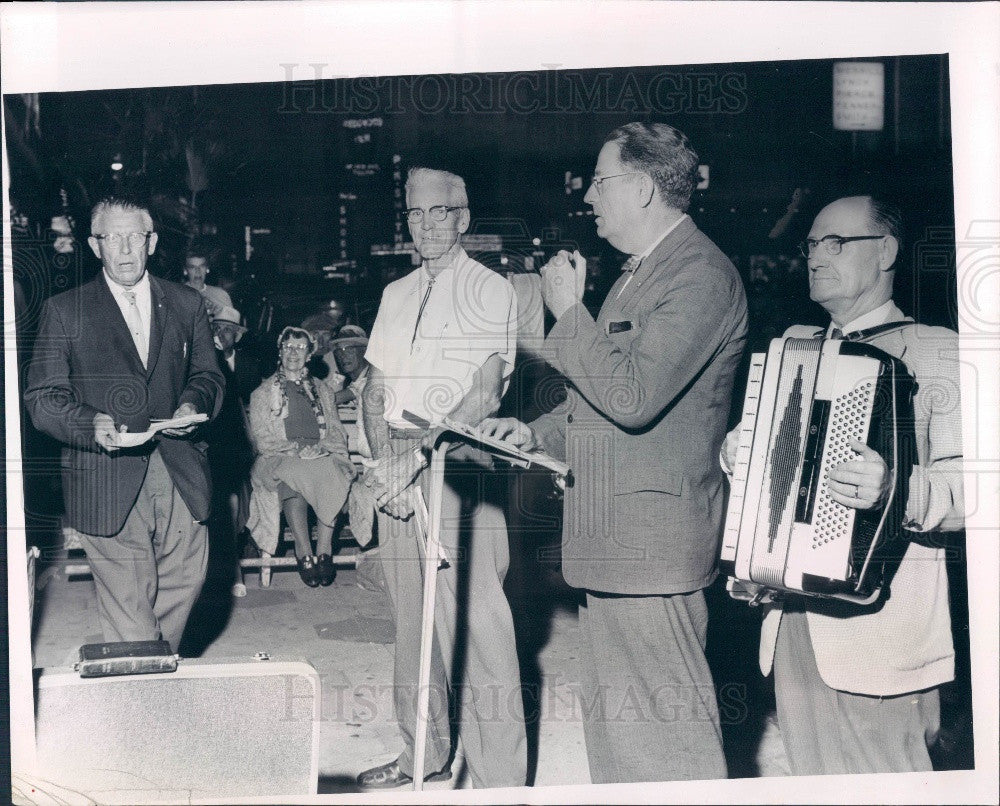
<point>807,400</point>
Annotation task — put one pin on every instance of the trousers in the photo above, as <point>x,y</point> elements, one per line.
<point>827,732</point>
<point>150,573</point>
<point>647,696</point>
<point>474,656</point>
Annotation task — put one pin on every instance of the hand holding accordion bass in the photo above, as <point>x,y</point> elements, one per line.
<point>807,401</point>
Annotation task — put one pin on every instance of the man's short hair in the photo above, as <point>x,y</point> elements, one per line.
<point>456,185</point>
<point>199,247</point>
<point>664,153</point>
<point>120,202</point>
<point>885,219</point>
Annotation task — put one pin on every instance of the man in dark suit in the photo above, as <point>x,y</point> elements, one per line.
<point>239,358</point>
<point>230,451</point>
<point>650,382</point>
<point>111,356</point>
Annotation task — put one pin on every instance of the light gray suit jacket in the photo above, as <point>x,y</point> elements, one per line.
<point>646,413</point>
<point>904,643</point>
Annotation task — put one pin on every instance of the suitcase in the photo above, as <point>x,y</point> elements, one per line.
<point>213,728</point>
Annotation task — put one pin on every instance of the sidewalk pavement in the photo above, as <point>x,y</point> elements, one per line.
<point>345,632</point>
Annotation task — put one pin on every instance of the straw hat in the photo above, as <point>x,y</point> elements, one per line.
<point>230,316</point>
<point>350,336</point>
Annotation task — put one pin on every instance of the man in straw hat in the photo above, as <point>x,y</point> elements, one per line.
<point>230,452</point>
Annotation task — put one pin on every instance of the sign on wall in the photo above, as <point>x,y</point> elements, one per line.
<point>858,96</point>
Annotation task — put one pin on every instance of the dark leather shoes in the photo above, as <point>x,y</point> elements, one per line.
<point>389,776</point>
<point>325,570</point>
<point>308,570</point>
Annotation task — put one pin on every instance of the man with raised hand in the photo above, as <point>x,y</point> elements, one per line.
<point>650,381</point>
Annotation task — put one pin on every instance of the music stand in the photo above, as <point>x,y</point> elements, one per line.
<point>429,521</point>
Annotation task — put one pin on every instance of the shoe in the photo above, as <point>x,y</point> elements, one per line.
<point>389,776</point>
<point>308,570</point>
<point>325,570</point>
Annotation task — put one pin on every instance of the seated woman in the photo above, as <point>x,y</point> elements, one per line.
<point>302,459</point>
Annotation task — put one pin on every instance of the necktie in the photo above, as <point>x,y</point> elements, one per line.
<point>836,333</point>
<point>629,266</point>
<point>420,312</point>
<point>133,318</point>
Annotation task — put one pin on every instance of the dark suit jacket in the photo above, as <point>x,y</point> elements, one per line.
<point>247,375</point>
<point>85,362</point>
<point>230,451</point>
<point>644,418</point>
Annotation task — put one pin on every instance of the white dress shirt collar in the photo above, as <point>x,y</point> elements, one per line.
<point>874,318</point>
<point>424,274</point>
<point>649,250</point>
<point>141,289</point>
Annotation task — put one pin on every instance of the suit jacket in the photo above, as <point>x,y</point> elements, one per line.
<point>246,377</point>
<point>85,363</point>
<point>645,414</point>
<point>230,451</point>
<point>902,643</point>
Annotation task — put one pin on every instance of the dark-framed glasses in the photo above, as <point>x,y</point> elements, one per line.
<point>597,181</point>
<point>295,348</point>
<point>116,239</point>
<point>439,212</point>
<point>834,244</point>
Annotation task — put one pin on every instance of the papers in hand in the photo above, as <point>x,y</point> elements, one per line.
<point>133,440</point>
<point>506,451</point>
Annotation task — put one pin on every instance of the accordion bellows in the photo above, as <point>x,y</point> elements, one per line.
<point>807,400</point>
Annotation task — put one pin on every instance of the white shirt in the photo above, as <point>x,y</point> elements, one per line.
<point>143,300</point>
<point>649,250</point>
<point>873,318</point>
<point>215,297</point>
<point>470,315</point>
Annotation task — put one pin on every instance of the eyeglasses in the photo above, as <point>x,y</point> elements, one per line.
<point>295,348</point>
<point>116,239</point>
<point>597,181</point>
<point>439,212</point>
<point>834,244</point>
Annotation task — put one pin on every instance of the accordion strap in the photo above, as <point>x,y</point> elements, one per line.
<point>872,332</point>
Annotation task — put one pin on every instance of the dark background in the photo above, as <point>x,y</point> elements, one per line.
<point>285,157</point>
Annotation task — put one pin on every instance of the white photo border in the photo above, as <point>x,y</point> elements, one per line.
<point>74,46</point>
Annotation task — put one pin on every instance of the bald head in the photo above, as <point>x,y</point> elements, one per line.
<point>859,278</point>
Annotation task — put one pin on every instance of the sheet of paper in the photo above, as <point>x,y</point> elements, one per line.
<point>133,440</point>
